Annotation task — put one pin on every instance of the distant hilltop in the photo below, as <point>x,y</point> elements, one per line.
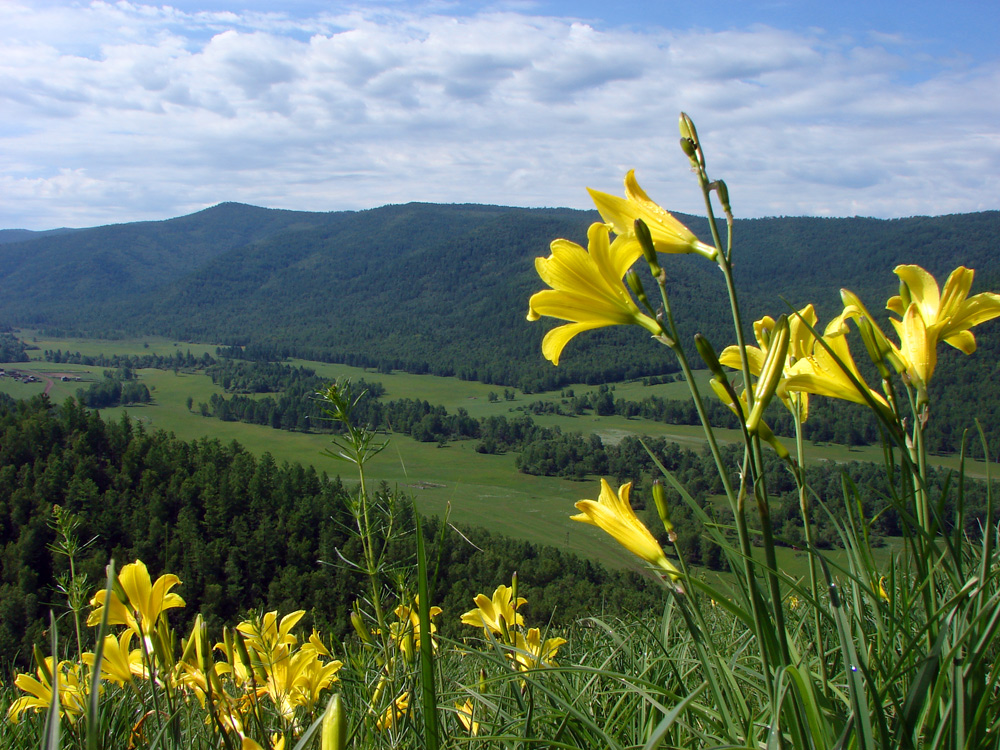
<point>437,288</point>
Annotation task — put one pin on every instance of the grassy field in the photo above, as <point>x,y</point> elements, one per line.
<point>472,488</point>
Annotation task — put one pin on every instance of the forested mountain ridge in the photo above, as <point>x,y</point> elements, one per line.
<point>443,288</point>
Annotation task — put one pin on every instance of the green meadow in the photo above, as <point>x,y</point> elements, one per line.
<point>453,479</point>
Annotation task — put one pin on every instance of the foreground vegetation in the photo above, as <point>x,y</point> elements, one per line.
<point>861,651</point>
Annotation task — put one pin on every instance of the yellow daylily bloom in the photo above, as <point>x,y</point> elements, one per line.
<point>270,633</point>
<point>669,235</point>
<point>406,632</point>
<point>929,315</point>
<point>613,513</point>
<point>146,600</point>
<point>587,289</point>
<point>395,711</point>
<point>466,716</point>
<point>72,691</point>
<point>119,662</point>
<point>801,343</point>
<point>499,614</point>
<point>532,653</point>
<point>828,374</point>
<point>883,594</point>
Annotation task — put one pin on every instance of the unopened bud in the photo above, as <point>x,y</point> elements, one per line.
<point>648,249</point>
<point>635,284</point>
<point>770,373</point>
<point>708,355</point>
<point>871,342</point>
<point>333,733</point>
<point>660,498</point>
<point>904,294</point>
<point>723,193</point>
<point>358,623</point>
<point>690,135</point>
<point>687,128</point>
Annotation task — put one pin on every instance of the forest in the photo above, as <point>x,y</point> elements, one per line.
<point>242,532</point>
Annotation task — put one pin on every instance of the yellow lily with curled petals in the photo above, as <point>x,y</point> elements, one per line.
<point>406,632</point>
<point>587,289</point>
<point>146,600</point>
<point>119,662</point>
<point>928,315</point>
<point>72,691</point>
<point>801,342</point>
<point>613,513</point>
<point>828,372</point>
<point>271,633</point>
<point>532,653</point>
<point>669,235</point>
<point>763,429</point>
<point>394,712</point>
<point>499,614</point>
<point>466,715</point>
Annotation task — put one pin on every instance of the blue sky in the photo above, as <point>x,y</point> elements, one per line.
<point>131,111</point>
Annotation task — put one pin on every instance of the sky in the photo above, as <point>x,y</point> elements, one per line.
<point>126,111</point>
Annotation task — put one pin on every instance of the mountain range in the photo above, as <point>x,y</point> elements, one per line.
<point>440,288</point>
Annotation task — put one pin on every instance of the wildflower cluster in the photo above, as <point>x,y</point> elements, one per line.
<point>260,670</point>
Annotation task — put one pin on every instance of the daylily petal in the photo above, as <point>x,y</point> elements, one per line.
<point>587,289</point>
<point>669,235</point>
<point>613,513</point>
<point>923,290</point>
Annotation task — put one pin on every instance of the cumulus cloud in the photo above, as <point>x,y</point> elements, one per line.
<point>119,112</point>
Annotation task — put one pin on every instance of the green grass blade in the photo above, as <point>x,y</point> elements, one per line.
<point>53,723</point>
<point>428,695</point>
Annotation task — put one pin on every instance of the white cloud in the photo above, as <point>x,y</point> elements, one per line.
<point>118,112</point>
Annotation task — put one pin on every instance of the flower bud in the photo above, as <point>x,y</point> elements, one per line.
<point>645,239</point>
<point>771,372</point>
<point>723,193</point>
<point>635,284</point>
<point>693,149</point>
<point>660,498</point>
<point>359,625</point>
<point>686,126</point>
<point>709,356</point>
<point>333,733</point>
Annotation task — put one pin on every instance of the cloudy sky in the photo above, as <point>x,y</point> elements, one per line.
<point>114,112</point>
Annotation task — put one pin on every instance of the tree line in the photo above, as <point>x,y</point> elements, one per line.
<point>243,533</point>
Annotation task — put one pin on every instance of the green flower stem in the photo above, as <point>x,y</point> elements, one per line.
<point>736,502</point>
<point>918,454</point>
<point>804,509</point>
<point>724,259</point>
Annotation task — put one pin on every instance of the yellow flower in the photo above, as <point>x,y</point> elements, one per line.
<point>119,663</point>
<point>827,373</point>
<point>395,711</point>
<point>532,653</point>
<point>801,343</point>
<point>72,691</point>
<point>498,615</point>
<point>883,594</point>
<point>146,600</point>
<point>929,315</point>
<point>587,289</point>
<point>406,632</point>
<point>270,633</point>
<point>465,715</point>
<point>669,235</point>
<point>613,513</point>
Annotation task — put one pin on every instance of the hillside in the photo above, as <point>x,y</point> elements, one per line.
<point>440,288</point>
